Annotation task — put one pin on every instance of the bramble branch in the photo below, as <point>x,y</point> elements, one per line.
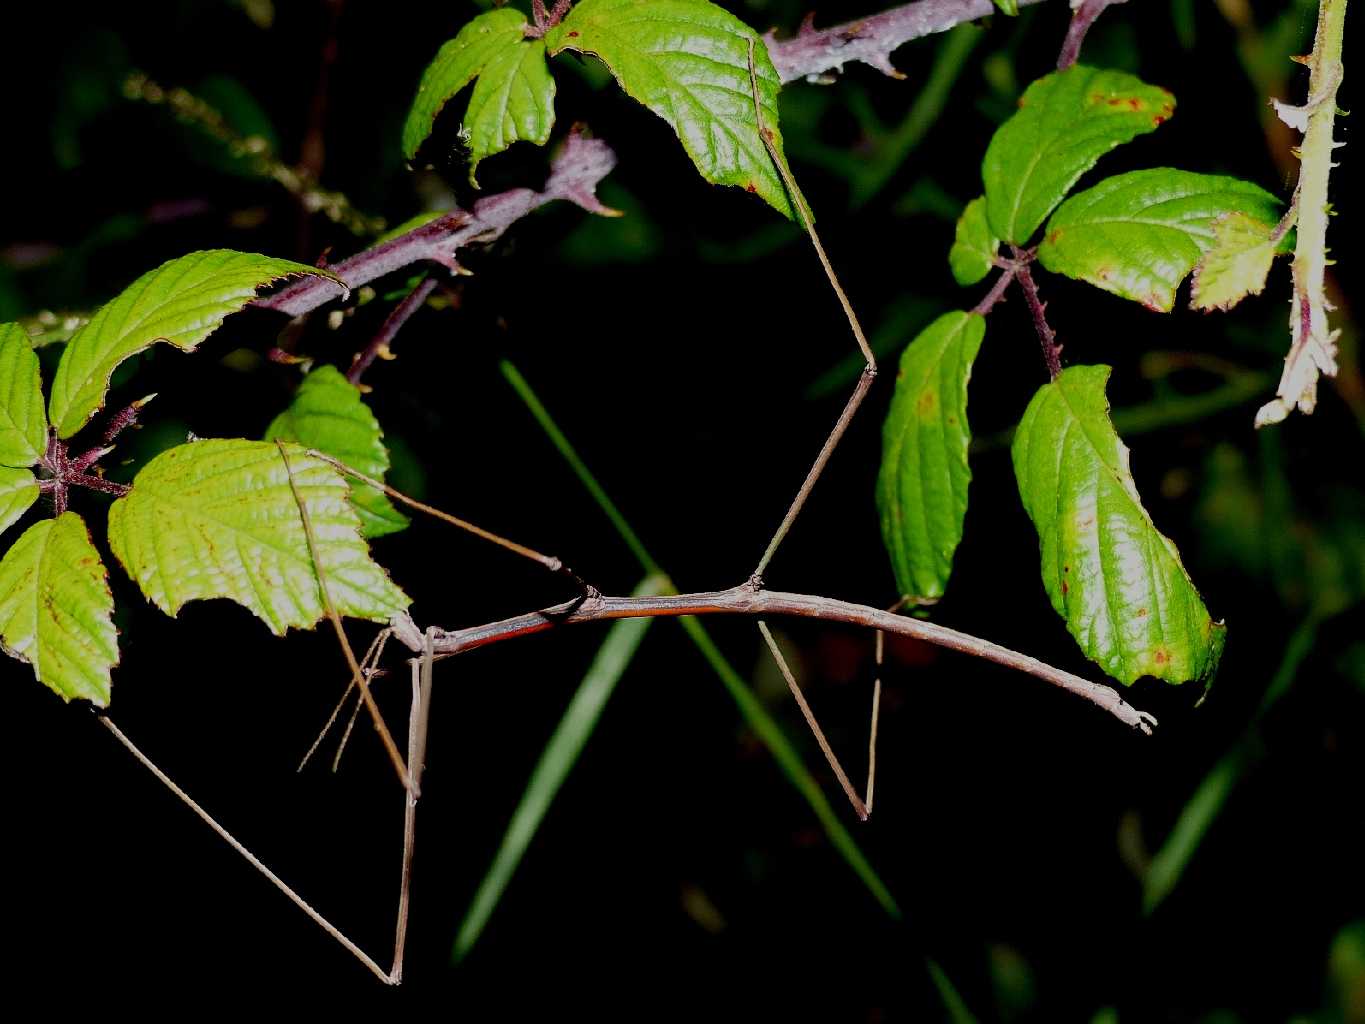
<point>745,600</point>
<point>574,175</point>
<point>813,52</point>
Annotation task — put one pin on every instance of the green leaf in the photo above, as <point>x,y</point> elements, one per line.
<point>974,245</point>
<point>1009,7</point>
<point>1066,121</point>
<point>328,414</point>
<point>1116,580</point>
<point>18,492</point>
<point>1236,264</point>
<point>922,488</point>
<point>513,97</point>
<point>56,609</point>
<point>557,760</point>
<point>688,61</point>
<point>1138,235</point>
<point>181,302</point>
<point>23,426</point>
<point>219,519</point>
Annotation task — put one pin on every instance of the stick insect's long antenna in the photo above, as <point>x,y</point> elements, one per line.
<point>357,676</point>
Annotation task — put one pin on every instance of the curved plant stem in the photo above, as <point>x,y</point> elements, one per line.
<point>744,600</point>
<point>378,348</point>
<point>1081,21</point>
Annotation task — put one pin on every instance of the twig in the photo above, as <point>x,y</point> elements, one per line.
<point>744,600</point>
<point>1047,337</point>
<point>1081,19</point>
<point>393,323</point>
<point>251,858</point>
<point>357,676</point>
<point>815,52</point>
<point>997,292</point>
<point>574,175</point>
<point>859,807</point>
<point>869,369</point>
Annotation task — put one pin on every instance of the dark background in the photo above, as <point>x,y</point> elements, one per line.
<point>680,349</point>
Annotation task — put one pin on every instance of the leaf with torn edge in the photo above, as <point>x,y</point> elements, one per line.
<point>922,487</point>
<point>1066,121</point>
<point>18,492</point>
<point>56,611</point>
<point>688,61</point>
<point>23,424</point>
<point>1139,234</point>
<point>181,303</point>
<point>219,519</point>
<point>974,244</point>
<point>1236,264</point>
<point>513,97</point>
<point>1116,580</point>
<point>329,415</point>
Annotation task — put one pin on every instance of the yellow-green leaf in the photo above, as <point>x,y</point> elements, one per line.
<point>974,244</point>
<point>922,487</point>
<point>181,303</point>
<point>23,425</point>
<point>1138,234</point>
<point>688,61</point>
<point>56,609</point>
<point>1236,264</point>
<point>1066,121</point>
<point>219,519</point>
<point>513,97</point>
<point>1116,580</point>
<point>329,415</point>
<point>18,492</point>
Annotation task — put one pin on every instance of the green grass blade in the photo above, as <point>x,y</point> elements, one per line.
<point>1200,812</point>
<point>763,724</point>
<point>555,763</point>
<point>952,1001</point>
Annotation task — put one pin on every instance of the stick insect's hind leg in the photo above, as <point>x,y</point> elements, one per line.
<point>859,807</point>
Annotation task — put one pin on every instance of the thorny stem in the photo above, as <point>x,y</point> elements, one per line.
<point>744,600</point>
<point>1312,349</point>
<point>997,292</point>
<point>1081,20</point>
<point>815,52</point>
<point>869,370</point>
<point>378,348</point>
<point>574,175</point>
<point>1047,337</point>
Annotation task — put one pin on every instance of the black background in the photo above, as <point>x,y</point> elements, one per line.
<point>678,362</point>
